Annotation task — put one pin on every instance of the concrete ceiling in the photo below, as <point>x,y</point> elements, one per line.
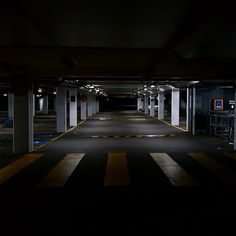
<point>117,40</point>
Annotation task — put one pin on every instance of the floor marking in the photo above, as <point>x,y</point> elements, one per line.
<point>174,172</point>
<point>18,165</point>
<point>172,125</point>
<point>58,176</point>
<point>231,155</point>
<point>226,175</point>
<point>117,173</point>
<point>54,139</point>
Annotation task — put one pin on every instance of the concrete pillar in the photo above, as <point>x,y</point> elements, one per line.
<point>193,109</point>
<point>145,104</point>
<point>61,110</point>
<point>152,104</point>
<point>188,126</point>
<point>83,109</point>
<point>94,104</point>
<point>139,104</point>
<point>45,104</point>
<point>33,105</point>
<point>175,97</point>
<point>55,104</point>
<point>89,105</point>
<point>23,123</point>
<point>235,118</point>
<point>161,106</point>
<point>73,106</point>
<point>10,105</point>
<point>97,106</point>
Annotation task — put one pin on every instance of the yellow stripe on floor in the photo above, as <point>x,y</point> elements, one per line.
<point>117,173</point>
<point>224,174</point>
<point>16,166</point>
<point>231,155</point>
<point>58,176</point>
<point>175,173</point>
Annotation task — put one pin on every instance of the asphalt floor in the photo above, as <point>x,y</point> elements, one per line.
<point>154,160</point>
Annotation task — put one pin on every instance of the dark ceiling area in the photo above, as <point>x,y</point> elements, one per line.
<point>117,41</point>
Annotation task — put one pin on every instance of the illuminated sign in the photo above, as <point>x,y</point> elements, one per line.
<point>218,104</point>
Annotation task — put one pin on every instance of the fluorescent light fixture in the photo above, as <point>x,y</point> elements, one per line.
<point>5,95</point>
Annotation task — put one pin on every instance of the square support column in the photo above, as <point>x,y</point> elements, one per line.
<point>152,103</point>
<point>139,104</point>
<point>89,105</point>
<point>45,104</point>
<point>73,106</point>
<point>61,110</point>
<point>175,97</point>
<point>161,106</point>
<point>97,106</point>
<point>235,119</point>
<point>10,105</point>
<point>145,104</point>
<point>193,109</point>
<point>23,123</point>
<point>94,104</point>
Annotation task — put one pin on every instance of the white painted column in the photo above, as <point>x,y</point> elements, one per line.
<point>10,105</point>
<point>175,97</point>
<point>83,109</point>
<point>188,110</point>
<point>73,106</point>
<point>89,105</point>
<point>138,104</point>
<point>161,106</point>
<point>55,103</point>
<point>152,103</point>
<point>45,104</point>
<point>61,110</point>
<point>235,118</point>
<point>97,106</point>
<point>145,104</point>
<point>23,123</point>
<point>193,110</point>
<point>33,105</point>
<point>94,105</point>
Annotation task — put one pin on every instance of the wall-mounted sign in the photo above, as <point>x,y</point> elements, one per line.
<point>218,104</point>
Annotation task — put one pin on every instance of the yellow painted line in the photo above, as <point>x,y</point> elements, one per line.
<point>117,173</point>
<point>173,171</point>
<point>231,155</point>
<point>172,125</point>
<point>54,139</point>
<point>224,174</point>
<point>18,165</point>
<point>58,176</point>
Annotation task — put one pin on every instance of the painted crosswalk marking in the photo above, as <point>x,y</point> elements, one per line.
<point>227,176</point>
<point>58,176</point>
<point>18,165</point>
<point>175,173</point>
<point>117,170</point>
